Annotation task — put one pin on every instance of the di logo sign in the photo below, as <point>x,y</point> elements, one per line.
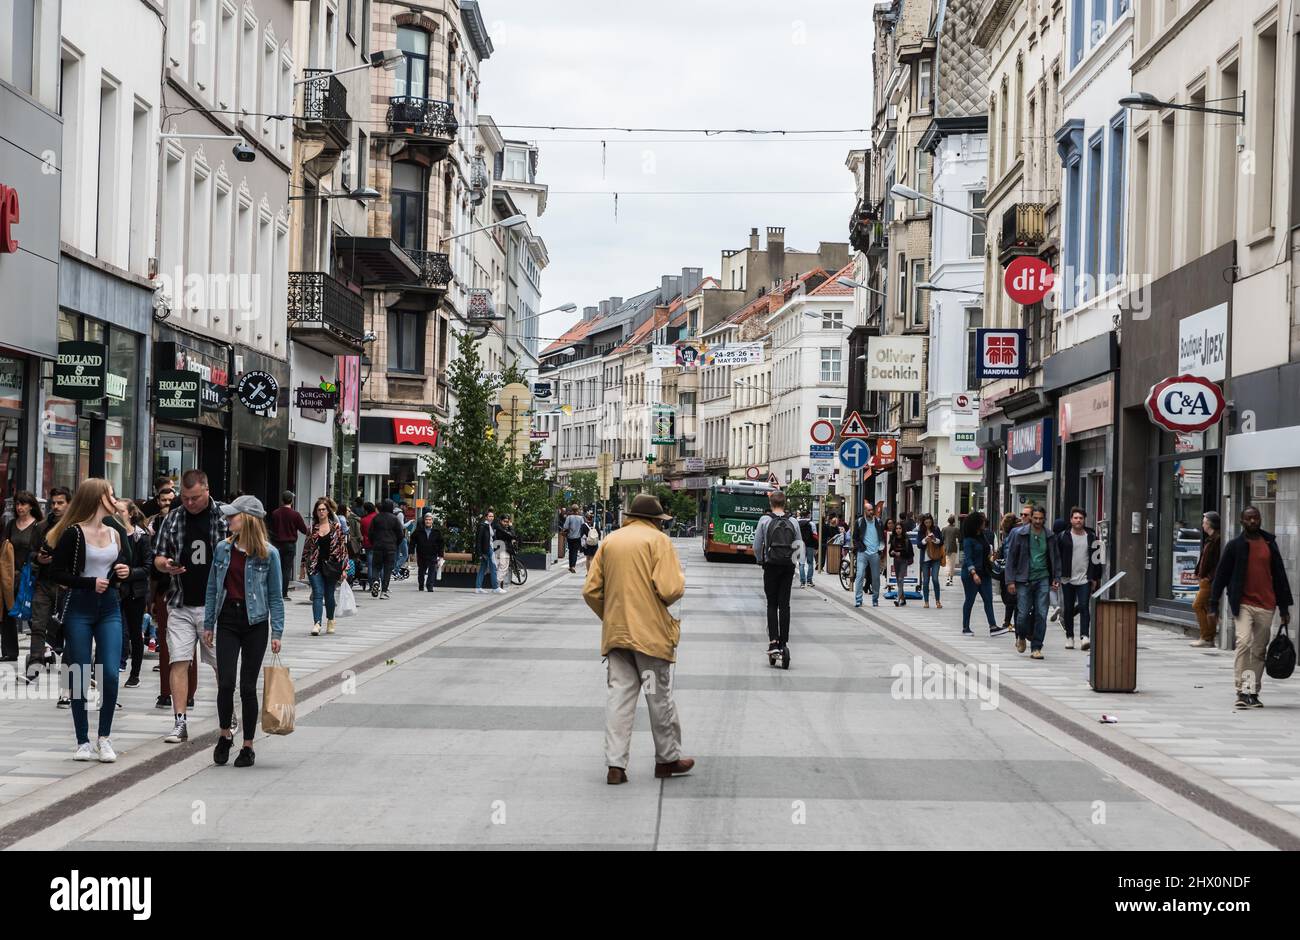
<point>1027,280</point>
<point>1185,403</point>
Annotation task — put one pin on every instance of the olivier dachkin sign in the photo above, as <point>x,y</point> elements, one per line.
<point>81,371</point>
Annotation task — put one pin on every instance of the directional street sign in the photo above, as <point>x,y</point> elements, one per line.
<point>854,454</point>
<point>854,426</point>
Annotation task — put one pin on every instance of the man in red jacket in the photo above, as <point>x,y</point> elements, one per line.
<point>284,525</point>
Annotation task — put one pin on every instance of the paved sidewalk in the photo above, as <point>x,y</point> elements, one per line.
<point>1183,707</point>
<point>36,737</point>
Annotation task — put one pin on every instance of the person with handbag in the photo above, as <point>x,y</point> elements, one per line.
<point>17,579</point>
<point>134,590</point>
<point>933,557</point>
<point>903,553</point>
<point>976,573</point>
<point>325,556</point>
<point>90,560</point>
<point>243,602</point>
<point>428,550</point>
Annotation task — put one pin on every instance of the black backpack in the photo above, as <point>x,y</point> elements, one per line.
<point>781,536</point>
<point>1279,662</point>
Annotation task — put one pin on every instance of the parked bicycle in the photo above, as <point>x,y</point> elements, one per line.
<point>848,570</point>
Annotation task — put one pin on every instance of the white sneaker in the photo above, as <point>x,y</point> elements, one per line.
<point>1069,642</point>
<point>84,752</point>
<point>1085,643</point>
<point>478,590</point>
<point>500,590</point>
<point>106,753</point>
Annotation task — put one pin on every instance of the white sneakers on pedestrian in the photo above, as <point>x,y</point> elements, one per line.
<point>1069,642</point>
<point>478,590</point>
<point>500,590</point>
<point>106,753</point>
<point>85,752</point>
<point>1085,643</point>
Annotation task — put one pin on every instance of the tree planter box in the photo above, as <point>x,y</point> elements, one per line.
<point>535,562</point>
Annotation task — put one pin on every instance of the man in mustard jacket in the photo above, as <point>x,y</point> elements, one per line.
<point>633,579</point>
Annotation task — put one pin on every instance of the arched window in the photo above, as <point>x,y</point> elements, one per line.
<point>409,202</point>
<point>412,76</point>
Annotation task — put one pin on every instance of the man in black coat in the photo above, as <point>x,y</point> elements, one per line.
<point>428,551</point>
<point>386,534</point>
<point>1251,571</point>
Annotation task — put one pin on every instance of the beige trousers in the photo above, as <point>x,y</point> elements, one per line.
<point>1254,626</point>
<point>628,673</point>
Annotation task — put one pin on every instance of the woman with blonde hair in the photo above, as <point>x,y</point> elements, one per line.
<point>325,556</point>
<point>89,559</point>
<point>244,602</point>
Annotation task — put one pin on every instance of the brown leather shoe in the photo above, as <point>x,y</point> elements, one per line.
<point>682,766</point>
<point>616,775</point>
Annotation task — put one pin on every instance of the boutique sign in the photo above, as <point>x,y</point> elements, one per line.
<point>81,371</point>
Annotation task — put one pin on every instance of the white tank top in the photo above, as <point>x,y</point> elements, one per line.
<point>100,560</point>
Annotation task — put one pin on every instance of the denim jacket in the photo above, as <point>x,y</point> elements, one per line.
<point>263,590</point>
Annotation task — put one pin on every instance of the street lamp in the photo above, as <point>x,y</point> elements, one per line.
<point>564,308</point>
<point>935,288</point>
<point>242,151</point>
<point>388,59</point>
<point>849,282</point>
<point>362,194</point>
<point>900,191</point>
<point>1145,101</point>
<point>511,222</point>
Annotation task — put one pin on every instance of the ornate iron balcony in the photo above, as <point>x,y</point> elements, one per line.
<point>435,267</point>
<point>325,105</point>
<point>321,307</point>
<point>422,117</point>
<point>1024,228</point>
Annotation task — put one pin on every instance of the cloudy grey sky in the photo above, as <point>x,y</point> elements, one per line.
<point>675,63</point>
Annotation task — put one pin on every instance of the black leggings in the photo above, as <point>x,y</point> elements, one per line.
<point>133,632</point>
<point>236,636</point>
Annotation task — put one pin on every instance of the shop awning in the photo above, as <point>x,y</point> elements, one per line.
<point>373,260</point>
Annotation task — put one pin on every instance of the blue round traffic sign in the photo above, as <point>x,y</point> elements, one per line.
<point>854,454</point>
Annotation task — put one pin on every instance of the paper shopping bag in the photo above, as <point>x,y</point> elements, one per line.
<point>278,705</point>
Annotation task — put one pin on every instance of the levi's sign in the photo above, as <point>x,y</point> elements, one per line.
<point>1185,403</point>
<point>415,431</point>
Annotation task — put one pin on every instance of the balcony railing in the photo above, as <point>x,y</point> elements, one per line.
<point>325,106</point>
<point>1024,228</point>
<point>321,306</point>
<point>877,238</point>
<point>860,223</point>
<point>435,268</point>
<point>422,117</point>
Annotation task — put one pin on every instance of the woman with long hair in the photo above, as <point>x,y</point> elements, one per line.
<point>929,542</point>
<point>89,560</point>
<point>325,556</point>
<point>1009,522</point>
<point>134,590</point>
<point>903,553</point>
<point>1206,565</point>
<point>18,540</point>
<point>976,573</point>
<point>244,603</point>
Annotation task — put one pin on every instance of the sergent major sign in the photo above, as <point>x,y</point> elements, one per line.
<point>1185,403</point>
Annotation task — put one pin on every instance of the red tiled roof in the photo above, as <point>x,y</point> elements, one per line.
<point>832,287</point>
<point>573,334</point>
<point>659,318</point>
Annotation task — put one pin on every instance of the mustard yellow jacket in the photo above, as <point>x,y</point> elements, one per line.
<point>634,578</point>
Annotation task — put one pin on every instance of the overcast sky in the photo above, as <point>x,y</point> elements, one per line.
<point>674,63</point>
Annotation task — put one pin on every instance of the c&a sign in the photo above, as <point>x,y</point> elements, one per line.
<point>1185,403</point>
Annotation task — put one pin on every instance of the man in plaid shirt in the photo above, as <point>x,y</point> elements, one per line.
<point>183,548</point>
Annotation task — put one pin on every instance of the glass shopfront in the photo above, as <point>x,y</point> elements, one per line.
<point>1185,480</point>
<point>12,369</point>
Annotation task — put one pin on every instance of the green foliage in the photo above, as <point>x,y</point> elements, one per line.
<point>469,471</point>
<point>682,505</point>
<point>798,496</point>
<point>583,485</point>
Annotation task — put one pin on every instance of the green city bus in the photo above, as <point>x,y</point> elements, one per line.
<point>731,515</point>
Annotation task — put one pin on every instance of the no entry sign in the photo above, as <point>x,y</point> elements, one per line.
<point>1027,280</point>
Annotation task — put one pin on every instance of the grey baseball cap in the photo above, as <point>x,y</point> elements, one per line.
<point>249,505</point>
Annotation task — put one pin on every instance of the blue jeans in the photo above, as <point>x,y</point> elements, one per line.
<point>403,553</point>
<point>1076,596</point>
<point>96,617</point>
<point>322,596</point>
<point>929,572</point>
<point>867,561</point>
<point>808,565</point>
<point>985,590</point>
<point>1031,624</point>
<point>486,565</point>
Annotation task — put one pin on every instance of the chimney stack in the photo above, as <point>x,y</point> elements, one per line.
<point>775,254</point>
<point>670,287</point>
<point>753,239</point>
<point>589,313</point>
<point>615,303</point>
<point>604,308</point>
<point>691,279</point>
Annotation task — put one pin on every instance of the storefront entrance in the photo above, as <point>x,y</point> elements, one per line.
<point>1185,482</point>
